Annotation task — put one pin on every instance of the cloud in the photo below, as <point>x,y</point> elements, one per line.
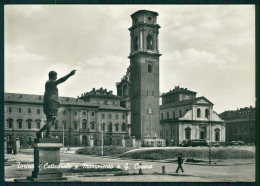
<point>208,48</point>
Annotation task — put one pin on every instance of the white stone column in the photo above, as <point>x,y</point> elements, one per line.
<point>197,131</point>
<point>193,129</point>
<point>133,141</point>
<point>17,145</point>
<point>141,39</point>
<point>180,133</point>
<point>91,142</point>
<point>80,139</point>
<point>123,141</point>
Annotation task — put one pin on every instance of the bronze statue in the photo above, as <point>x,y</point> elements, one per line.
<point>51,101</point>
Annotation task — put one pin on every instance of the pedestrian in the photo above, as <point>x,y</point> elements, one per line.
<point>180,162</point>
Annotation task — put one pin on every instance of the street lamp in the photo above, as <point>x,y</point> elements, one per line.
<point>102,140</point>
<point>209,142</point>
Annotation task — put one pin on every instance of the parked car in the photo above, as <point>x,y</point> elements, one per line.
<point>216,144</point>
<point>234,143</point>
<point>240,143</point>
<point>194,143</point>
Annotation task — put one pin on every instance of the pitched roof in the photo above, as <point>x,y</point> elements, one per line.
<point>186,102</point>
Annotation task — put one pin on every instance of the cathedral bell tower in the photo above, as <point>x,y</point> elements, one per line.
<point>144,74</point>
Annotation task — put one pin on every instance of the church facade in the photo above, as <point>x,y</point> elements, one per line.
<point>183,116</point>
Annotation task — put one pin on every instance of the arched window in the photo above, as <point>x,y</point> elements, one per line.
<point>84,124</point>
<point>125,92</point>
<point>198,112</point>
<point>84,140</point>
<point>117,128</point>
<point>149,41</point>
<point>10,122</point>
<point>187,133</point>
<point>217,134</point>
<point>202,133</point>
<point>123,127</point>
<point>136,43</point>
<point>150,68</point>
<point>29,122</point>
<point>207,113</point>
<point>75,125</point>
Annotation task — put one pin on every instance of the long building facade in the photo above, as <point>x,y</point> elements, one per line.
<point>78,119</point>
<point>240,124</point>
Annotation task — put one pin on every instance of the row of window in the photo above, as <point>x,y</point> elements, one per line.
<point>29,111</point>
<point>84,125</point>
<point>103,116</point>
<point>202,133</point>
<point>181,114</point>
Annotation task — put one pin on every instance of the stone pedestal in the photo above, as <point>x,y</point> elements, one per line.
<point>133,141</point>
<point>46,152</point>
<point>123,142</point>
<point>91,141</point>
<point>17,145</point>
<point>155,142</point>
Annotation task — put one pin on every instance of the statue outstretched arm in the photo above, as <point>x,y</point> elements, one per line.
<point>61,80</point>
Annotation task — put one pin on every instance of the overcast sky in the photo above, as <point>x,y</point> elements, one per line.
<point>209,49</point>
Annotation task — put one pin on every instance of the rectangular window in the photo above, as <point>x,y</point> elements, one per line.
<point>29,125</point>
<point>103,116</point>
<point>10,124</point>
<point>19,110</point>
<point>29,111</point>
<point>38,125</point>
<point>93,114</point>
<point>92,125</point>
<point>38,111</point>
<point>65,126</point>
<point>109,116</point>
<point>75,126</point>
<point>117,128</point>
<point>84,113</point>
<point>64,112</point>
<point>20,124</point>
<point>29,140</point>
<point>10,110</point>
<point>116,116</point>
<point>123,116</point>
<point>75,113</point>
<point>104,126</point>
